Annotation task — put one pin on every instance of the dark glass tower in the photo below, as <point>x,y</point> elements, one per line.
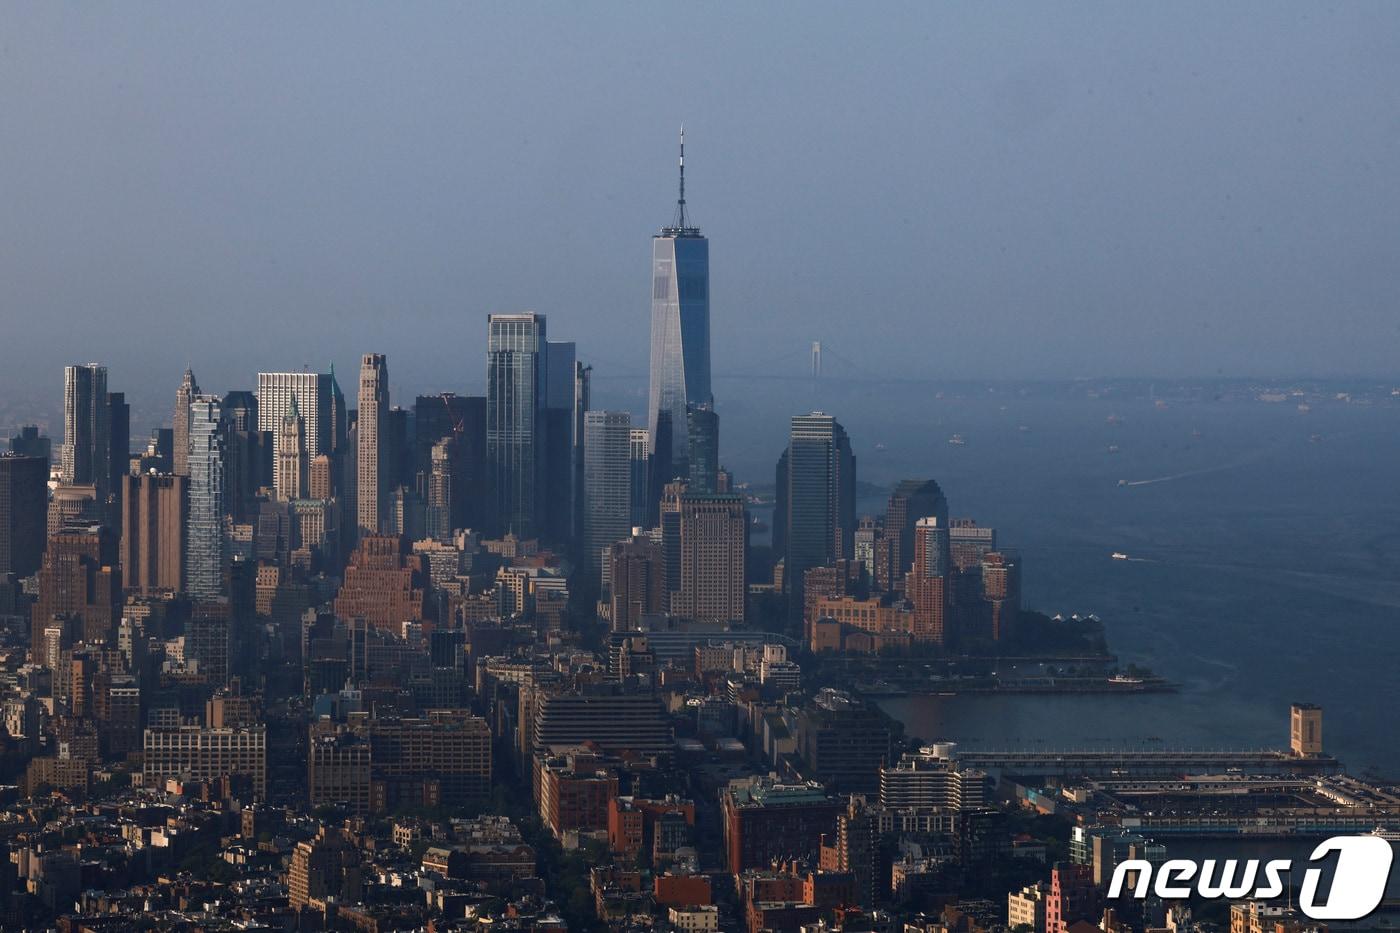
<point>514,423</point>
<point>819,496</point>
<point>680,322</point>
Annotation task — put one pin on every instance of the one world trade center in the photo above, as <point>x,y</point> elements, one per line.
<point>680,326</point>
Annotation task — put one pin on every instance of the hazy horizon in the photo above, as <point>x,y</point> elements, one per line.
<point>942,193</point>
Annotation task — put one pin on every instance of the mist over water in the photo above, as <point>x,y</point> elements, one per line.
<point>1265,544</point>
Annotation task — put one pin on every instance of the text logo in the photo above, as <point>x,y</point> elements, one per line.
<point>1358,884</point>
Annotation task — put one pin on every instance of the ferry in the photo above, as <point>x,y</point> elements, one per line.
<point>957,440</point>
<point>1125,679</point>
<point>1119,555</point>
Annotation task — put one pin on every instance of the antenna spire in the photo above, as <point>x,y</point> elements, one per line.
<point>680,203</point>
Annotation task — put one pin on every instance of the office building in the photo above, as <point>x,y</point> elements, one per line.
<point>383,587</point>
<point>23,518</point>
<point>680,324</point>
<point>205,547</point>
<point>640,452</point>
<point>248,463</point>
<point>1001,591</point>
<point>1305,730</point>
<point>844,741</point>
<point>713,542</point>
<point>931,778</point>
<point>911,500</point>
<point>313,393</point>
<point>87,431</point>
<point>817,495</point>
<point>373,468</point>
<point>927,584</point>
<point>558,418</point>
<point>324,870</point>
<point>637,582</point>
<point>607,482</point>
<point>514,430</point>
<point>463,419</point>
<point>293,463</point>
<point>78,579</point>
<point>702,435</point>
<point>154,519</point>
<point>205,754</point>
<point>765,820</point>
<point>615,719</point>
<point>1073,897</point>
<point>180,435</point>
<point>118,452</point>
<point>30,443</point>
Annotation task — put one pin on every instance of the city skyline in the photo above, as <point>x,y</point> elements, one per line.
<point>849,602</point>
<point>1195,221</point>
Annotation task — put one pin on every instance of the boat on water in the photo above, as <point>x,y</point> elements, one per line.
<point>957,440</point>
<point>1127,679</point>
<point>1389,835</point>
<point>1119,555</point>
<point>1113,448</point>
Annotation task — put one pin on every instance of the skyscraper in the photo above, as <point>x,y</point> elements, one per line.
<point>680,322</point>
<point>607,482</point>
<point>557,473</point>
<point>181,421</point>
<point>292,461</point>
<point>23,508</point>
<point>514,441</point>
<point>928,582</point>
<point>152,546</point>
<point>819,494</point>
<point>714,535</point>
<point>118,450</point>
<point>314,395</point>
<point>370,425</point>
<point>204,539</point>
<point>702,443</point>
<point>87,433</point>
<point>911,500</point>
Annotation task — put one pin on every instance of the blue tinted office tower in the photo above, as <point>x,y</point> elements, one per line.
<point>247,454</point>
<point>556,507</point>
<point>204,539</point>
<point>30,443</point>
<point>680,322</point>
<point>702,436</point>
<point>119,451</point>
<point>463,418</point>
<point>23,512</point>
<point>820,500</point>
<point>514,386</point>
<point>583,401</point>
<point>641,465</point>
<point>87,434</point>
<point>662,468</point>
<point>607,479</point>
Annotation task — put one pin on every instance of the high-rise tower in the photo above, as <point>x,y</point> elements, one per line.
<point>515,385</point>
<point>370,425</point>
<point>204,537</point>
<point>87,429</point>
<point>181,421</point>
<point>817,490</point>
<point>680,322</point>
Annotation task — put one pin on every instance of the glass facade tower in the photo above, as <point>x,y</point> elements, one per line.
<point>515,382</point>
<point>680,322</point>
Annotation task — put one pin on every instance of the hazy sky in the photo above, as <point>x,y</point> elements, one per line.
<point>941,189</point>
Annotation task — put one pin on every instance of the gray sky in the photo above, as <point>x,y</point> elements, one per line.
<point>965,190</point>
